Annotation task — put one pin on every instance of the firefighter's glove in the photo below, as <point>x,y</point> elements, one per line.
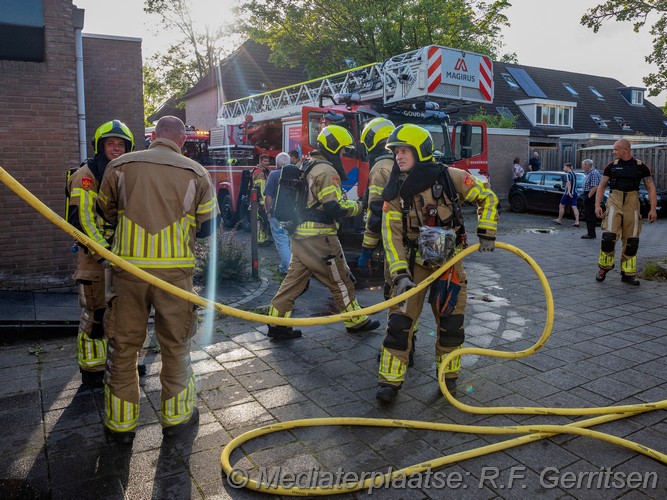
<point>486,245</point>
<point>364,262</point>
<point>402,283</point>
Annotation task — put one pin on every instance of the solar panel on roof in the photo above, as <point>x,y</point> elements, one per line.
<point>526,82</point>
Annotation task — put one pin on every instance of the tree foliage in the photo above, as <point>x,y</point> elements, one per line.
<point>329,36</point>
<point>189,59</point>
<point>639,12</point>
<point>493,121</point>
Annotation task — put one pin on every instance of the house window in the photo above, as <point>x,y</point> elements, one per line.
<point>505,113</point>
<point>22,31</point>
<point>637,97</point>
<point>621,122</point>
<point>599,121</point>
<point>570,89</point>
<point>510,81</point>
<point>560,116</point>
<point>597,93</point>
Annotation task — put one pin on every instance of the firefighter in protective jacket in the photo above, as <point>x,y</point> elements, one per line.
<point>160,202</point>
<point>111,140</point>
<point>259,176</point>
<point>421,193</point>
<point>316,249</point>
<point>374,136</point>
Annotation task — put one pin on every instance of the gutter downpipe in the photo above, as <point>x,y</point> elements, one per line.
<point>80,91</point>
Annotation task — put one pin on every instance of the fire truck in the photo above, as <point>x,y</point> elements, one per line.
<point>196,143</point>
<point>423,87</point>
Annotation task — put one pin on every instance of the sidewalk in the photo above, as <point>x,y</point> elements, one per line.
<point>608,346</point>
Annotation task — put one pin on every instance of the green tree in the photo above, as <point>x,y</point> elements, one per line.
<point>493,121</point>
<point>189,59</point>
<point>639,12</point>
<point>329,36</point>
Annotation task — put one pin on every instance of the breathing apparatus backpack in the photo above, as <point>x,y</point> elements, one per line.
<point>289,207</point>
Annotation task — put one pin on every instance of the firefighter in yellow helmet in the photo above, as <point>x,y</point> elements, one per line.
<point>259,176</point>
<point>316,249</point>
<point>374,136</point>
<point>111,140</point>
<point>160,202</point>
<point>422,228</point>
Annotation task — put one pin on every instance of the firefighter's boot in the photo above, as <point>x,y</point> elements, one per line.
<point>283,332</point>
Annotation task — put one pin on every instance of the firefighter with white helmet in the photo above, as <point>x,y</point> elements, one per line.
<point>112,139</point>
<point>422,228</point>
<point>316,249</point>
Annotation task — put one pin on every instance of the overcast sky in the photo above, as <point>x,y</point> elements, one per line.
<point>543,33</point>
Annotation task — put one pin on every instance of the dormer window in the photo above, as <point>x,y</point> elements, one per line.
<point>510,81</point>
<point>570,89</point>
<point>634,95</point>
<point>599,121</point>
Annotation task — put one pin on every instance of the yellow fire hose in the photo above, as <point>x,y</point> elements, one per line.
<point>531,432</point>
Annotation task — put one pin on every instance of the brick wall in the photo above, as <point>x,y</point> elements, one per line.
<point>201,110</point>
<point>39,142</point>
<point>113,84</point>
<point>504,146</point>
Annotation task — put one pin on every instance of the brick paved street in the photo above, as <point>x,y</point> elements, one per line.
<point>607,347</point>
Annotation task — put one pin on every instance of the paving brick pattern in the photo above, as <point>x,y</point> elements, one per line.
<point>607,347</point>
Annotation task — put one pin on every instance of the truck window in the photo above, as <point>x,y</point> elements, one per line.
<point>314,128</point>
<point>476,144</point>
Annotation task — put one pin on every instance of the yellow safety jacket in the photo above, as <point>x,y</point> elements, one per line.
<point>415,205</point>
<point>377,179</point>
<point>83,189</point>
<point>324,187</point>
<point>158,199</point>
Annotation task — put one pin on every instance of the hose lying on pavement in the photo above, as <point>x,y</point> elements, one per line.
<point>532,432</point>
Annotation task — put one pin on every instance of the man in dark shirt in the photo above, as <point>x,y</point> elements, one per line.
<point>622,218</point>
<point>535,163</point>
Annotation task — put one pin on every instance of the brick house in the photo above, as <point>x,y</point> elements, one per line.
<point>39,137</point>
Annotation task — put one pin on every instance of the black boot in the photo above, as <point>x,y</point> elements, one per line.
<point>283,332</point>
<point>630,280</point>
<point>92,379</point>
<point>387,393</point>
<point>602,274</point>
<point>371,324</point>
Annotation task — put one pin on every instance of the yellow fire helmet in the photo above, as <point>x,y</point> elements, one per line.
<point>415,137</point>
<point>375,131</point>
<point>114,128</point>
<point>333,138</point>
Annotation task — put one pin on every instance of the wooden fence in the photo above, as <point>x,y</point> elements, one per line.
<point>655,156</point>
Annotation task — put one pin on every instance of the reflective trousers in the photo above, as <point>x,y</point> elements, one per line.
<point>322,257</point>
<point>401,323</point>
<point>623,218</point>
<point>175,325</point>
<point>91,341</point>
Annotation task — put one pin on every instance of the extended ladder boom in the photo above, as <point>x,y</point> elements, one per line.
<point>432,73</point>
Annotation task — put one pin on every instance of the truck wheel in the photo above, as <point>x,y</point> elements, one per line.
<point>518,203</point>
<point>226,211</point>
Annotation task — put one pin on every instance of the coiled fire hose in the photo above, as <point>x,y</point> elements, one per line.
<point>530,432</point>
